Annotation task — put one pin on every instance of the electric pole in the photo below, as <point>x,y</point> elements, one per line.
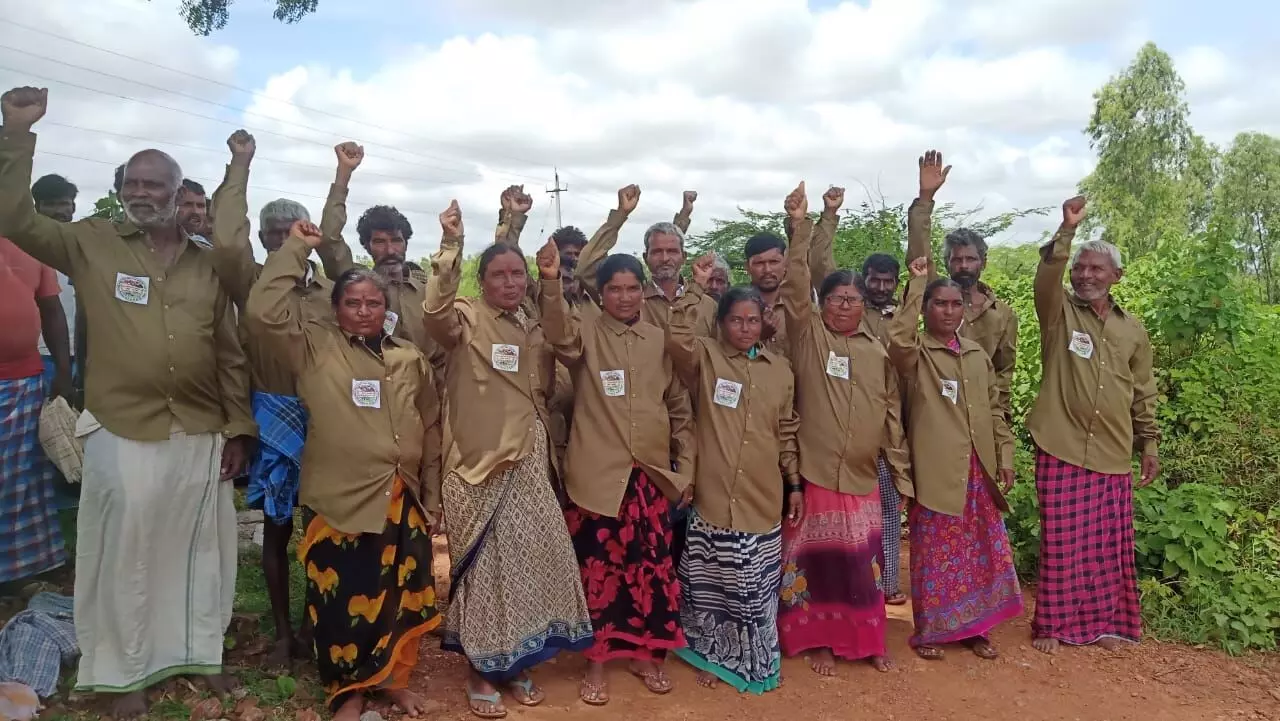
<point>555,193</point>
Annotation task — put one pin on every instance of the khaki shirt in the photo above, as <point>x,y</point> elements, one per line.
<point>311,299</point>
<point>560,406</point>
<point>631,408</point>
<point>498,374</point>
<point>954,411</point>
<point>847,392</point>
<point>164,346</point>
<point>990,322</point>
<point>746,424</point>
<point>657,306</point>
<point>370,418</point>
<point>1098,393</point>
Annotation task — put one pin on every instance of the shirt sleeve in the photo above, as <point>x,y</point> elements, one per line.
<point>48,285</point>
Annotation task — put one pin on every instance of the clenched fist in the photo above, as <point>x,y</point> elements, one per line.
<point>350,155</point>
<point>22,107</point>
<point>308,231</point>
<point>628,198</point>
<point>1073,211</point>
<point>451,220</point>
<point>242,145</point>
<point>797,204</point>
<point>833,199</point>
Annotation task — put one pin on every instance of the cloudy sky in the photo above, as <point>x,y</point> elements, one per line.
<point>460,98</point>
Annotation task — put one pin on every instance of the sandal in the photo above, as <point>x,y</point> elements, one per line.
<point>982,648</point>
<point>895,599</point>
<point>656,680</point>
<point>474,699</point>
<point>594,694</point>
<point>528,695</point>
<point>929,653</point>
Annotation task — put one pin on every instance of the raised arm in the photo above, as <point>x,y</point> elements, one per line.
<point>512,216</point>
<point>797,286</point>
<point>1054,256</point>
<point>1143,410</point>
<point>822,249</point>
<point>53,243</point>
<point>682,326</point>
<point>904,339</point>
<point>559,325</point>
<point>598,248</point>
<point>232,252</point>
<point>933,174</point>
<point>430,478</point>
<point>685,216</point>
<point>896,451</point>
<point>270,315</point>
<point>444,321</point>
<point>335,254</point>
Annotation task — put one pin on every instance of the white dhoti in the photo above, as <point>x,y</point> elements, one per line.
<point>155,560</point>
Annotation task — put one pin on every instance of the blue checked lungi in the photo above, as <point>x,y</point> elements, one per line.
<point>36,643</point>
<point>891,538</point>
<point>30,535</point>
<point>277,466</point>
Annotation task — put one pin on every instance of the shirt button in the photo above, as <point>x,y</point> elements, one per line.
<point>388,377</point>
<point>170,336</point>
<point>170,369</point>
<point>1091,435</point>
<point>166,307</point>
<point>169,399</point>
<point>1097,412</point>
<point>397,436</point>
<point>387,493</point>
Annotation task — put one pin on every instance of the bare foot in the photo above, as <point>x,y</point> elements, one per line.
<point>823,662</point>
<point>594,689</point>
<point>1110,643</point>
<point>883,664</point>
<point>411,703</point>
<point>1045,645</point>
<point>350,709</point>
<point>706,679</point>
<point>222,684</point>
<point>281,653</point>
<point>484,699</point>
<point>129,706</point>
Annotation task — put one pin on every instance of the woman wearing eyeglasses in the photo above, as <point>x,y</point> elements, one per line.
<point>850,412</point>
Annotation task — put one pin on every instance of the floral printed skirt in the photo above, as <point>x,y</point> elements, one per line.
<point>628,574</point>
<point>829,594</point>
<point>370,598</point>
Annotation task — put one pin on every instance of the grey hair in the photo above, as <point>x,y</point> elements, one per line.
<point>664,229</point>
<point>964,237</point>
<point>284,209</point>
<point>721,263</point>
<point>1098,246</point>
<point>175,170</point>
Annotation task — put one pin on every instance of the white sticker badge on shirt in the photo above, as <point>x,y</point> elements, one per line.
<point>1081,344</point>
<point>837,365</point>
<point>505,357</point>
<point>366,394</point>
<point>134,289</point>
<point>728,393</point>
<point>614,382</point>
<point>389,323</point>
<point>951,389</point>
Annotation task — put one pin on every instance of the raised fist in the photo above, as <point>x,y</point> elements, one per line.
<point>350,155</point>
<point>308,231</point>
<point>451,220</point>
<point>242,144</point>
<point>702,268</point>
<point>797,204</point>
<point>1073,211</point>
<point>689,197</point>
<point>833,199</point>
<point>628,198</point>
<point>22,107</point>
<point>521,201</point>
<point>548,260</point>
<point>919,267</point>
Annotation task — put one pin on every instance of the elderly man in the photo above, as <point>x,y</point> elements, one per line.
<point>988,321</point>
<point>166,425</point>
<point>663,255</point>
<point>1097,401</point>
<point>275,469</point>
<point>718,283</point>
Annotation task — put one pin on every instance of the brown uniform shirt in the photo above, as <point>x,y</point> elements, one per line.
<point>233,259</point>
<point>954,411</point>
<point>164,347</point>
<point>560,405</point>
<point>370,418</point>
<point>847,392</point>
<point>631,408</point>
<point>498,373</point>
<point>657,306</point>
<point>1098,393</point>
<point>746,424</point>
<point>990,322</point>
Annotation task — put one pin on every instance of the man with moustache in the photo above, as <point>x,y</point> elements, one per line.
<point>276,467</point>
<point>55,197</point>
<point>167,423</point>
<point>766,256</point>
<point>718,283</point>
<point>193,209</point>
<point>987,320</point>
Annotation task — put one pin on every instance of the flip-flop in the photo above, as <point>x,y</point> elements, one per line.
<point>526,685</point>
<point>594,694</point>
<point>896,599</point>
<point>657,681</point>
<point>929,653</point>
<point>982,648</point>
<point>494,698</point>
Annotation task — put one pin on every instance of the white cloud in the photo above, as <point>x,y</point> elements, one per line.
<point>739,101</point>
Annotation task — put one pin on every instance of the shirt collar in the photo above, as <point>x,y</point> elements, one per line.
<point>1080,302</point>
<point>617,327</point>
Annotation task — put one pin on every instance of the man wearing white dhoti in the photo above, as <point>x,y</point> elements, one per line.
<point>167,423</point>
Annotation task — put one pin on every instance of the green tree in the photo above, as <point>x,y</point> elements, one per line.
<point>205,16</point>
<point>1154,178</point>
<point>108,207</point>
<point>1247,205</point>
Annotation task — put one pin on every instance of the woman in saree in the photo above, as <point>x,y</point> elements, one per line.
<point>746,448</point>
<point>516,596</point>
<point>630,459</point>
<point>370,484</point>
<point>848,399</point>
<point>963,582</point>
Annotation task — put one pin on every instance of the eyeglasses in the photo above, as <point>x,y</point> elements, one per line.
<point>844,301</point>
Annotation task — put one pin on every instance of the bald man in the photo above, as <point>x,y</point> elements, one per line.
<point>166,427</point>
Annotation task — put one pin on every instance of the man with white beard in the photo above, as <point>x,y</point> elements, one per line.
<point>166,424</point>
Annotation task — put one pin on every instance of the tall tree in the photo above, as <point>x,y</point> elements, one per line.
<point>108,207</point>
<point>205,16</point>
<point>1154,177</point>
<point>1247,204</point>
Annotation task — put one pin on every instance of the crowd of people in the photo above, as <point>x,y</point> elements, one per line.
<point>628,461</point>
